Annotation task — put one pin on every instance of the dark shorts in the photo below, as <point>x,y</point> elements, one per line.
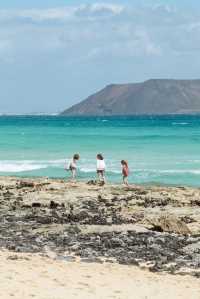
<point>125,175</point>
<point>101,171</point>
<point>72,168</point>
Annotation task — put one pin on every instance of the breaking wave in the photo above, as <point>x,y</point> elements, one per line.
<point>180,123</point>
<point>113,168</point>
<point>27,165</point>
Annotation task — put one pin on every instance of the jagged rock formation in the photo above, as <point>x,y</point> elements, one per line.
<point>153,227</point>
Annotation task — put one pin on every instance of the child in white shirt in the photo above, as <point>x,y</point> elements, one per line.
<point>101,167</point>
<point>73,166</point>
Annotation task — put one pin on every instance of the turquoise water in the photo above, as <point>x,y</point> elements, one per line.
<point>159,149</point>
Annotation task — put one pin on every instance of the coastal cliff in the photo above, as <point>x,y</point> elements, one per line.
<point>155,96</point>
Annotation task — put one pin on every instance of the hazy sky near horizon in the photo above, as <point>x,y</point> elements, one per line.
<point>55,53</point>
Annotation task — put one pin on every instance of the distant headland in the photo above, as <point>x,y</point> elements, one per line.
<point>152,97</point>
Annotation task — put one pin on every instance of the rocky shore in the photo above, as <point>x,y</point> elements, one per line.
<point>154,228</point>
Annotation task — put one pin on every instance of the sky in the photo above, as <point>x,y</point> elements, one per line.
<point>54,54</point>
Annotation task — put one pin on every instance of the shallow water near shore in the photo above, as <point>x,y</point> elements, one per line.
<point>163,150</point>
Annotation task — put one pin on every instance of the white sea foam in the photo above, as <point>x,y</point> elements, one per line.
<point>167,171</point>
<point>19,167</point>
<point>180,171</point>
<point>28,165</point>
<point>194,161</point>
<point>87,170</point>
<point>89,166</point>
<point>180,124</point>
<point>93,169</point>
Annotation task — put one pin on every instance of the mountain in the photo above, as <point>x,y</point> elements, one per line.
<point>155,96</point>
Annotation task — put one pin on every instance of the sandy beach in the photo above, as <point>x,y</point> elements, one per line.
<point>80,240</point>
<point>32,276</point>
<point>99,149</point>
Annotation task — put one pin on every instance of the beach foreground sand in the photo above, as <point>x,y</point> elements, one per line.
<point>34,276</point>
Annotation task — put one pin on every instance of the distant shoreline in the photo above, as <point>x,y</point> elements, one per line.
<point>108,183</point>
<point>102,116</point>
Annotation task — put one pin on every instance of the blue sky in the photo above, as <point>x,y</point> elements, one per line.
<point>55,53</point>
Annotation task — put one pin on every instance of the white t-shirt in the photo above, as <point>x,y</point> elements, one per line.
<point>101,165</point>
<point>72,164</point>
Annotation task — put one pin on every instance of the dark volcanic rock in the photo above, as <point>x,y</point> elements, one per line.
<point>25,184</point>
<point>97,227</point>
<point>53,204</point>
<point>168,223</point>
<point>36,205</point>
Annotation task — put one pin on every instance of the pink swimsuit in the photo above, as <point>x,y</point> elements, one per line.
<point>125,171</point>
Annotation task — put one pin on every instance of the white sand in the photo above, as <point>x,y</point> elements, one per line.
<point>34,276</point>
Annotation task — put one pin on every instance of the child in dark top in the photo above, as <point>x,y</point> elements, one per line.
<point>125,171</point>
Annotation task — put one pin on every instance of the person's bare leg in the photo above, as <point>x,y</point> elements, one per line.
<point>73,175</point>
<point>103,177</point>
<point>98,176</point>
<point>125,180</point>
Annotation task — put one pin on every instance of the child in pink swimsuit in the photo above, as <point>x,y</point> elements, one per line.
<point>125,171</point>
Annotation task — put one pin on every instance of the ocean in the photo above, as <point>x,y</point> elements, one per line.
<point>159,149</point>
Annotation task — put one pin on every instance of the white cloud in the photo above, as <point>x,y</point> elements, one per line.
<point>99,9</point>
<point>98,30</point>
<point>35,14</point>
<point>137,44</point>
<point>164,8</point>
<point>96,10</point>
